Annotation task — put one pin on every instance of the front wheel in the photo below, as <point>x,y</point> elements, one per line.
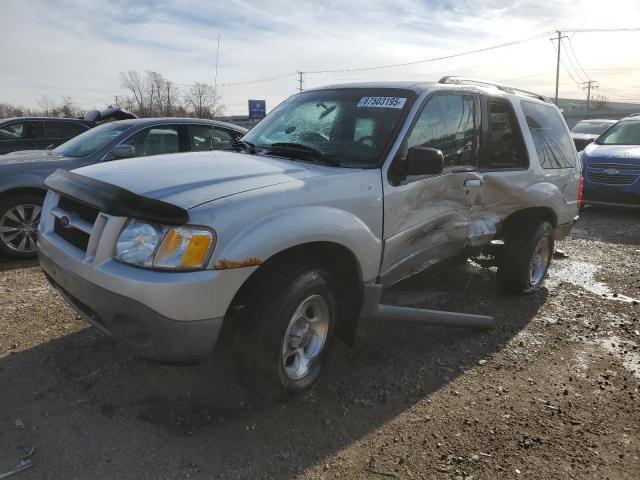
<point>526,258</point>
<point>287,332</point>
<point>19,218</point>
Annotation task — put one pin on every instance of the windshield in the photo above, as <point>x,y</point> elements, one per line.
<point>592,128</point>
<point>92,140</point>
<point>622,133</point>
<point>349,127</point>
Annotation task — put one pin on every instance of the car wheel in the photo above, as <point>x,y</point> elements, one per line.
<point>286,333</point>
<point>526,258</point>
<point>19,218</point>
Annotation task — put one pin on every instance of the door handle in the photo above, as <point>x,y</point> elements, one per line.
<point>472,182</point>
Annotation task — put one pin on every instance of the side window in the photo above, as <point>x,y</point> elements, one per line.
<point>54,129</point>
<point>447,123</point>
<point>204,138</point>
<point>19,131</point>
<point>548,129</point>
<point>503,147</point>
<point>155,140</point>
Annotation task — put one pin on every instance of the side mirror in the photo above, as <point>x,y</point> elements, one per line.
<point>123,151</point>
<point>424,161</point>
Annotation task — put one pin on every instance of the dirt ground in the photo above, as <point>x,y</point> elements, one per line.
<point>552,392</point>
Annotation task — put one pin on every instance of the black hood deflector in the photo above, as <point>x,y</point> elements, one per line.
<point>115,200</point>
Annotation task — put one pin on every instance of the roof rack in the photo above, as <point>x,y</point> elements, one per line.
<point>452,79</point>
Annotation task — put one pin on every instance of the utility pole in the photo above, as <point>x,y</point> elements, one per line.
<point>560,37</point>
<point>116,99</point>
<point>589,85</point>
<point>300,80</point>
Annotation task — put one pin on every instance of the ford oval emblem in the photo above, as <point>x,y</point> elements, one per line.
<point>64,221</point>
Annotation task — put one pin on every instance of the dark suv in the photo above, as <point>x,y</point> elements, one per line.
<point>38,133</point>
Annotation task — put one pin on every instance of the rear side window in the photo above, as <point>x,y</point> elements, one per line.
<point>204,138</point>
<point>550,136</point>
<point>54,129</point>
<point>503,147</point>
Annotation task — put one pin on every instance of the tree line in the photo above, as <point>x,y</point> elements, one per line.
<point>149,94</point>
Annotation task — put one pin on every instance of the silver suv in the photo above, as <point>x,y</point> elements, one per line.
<point>339,193</point>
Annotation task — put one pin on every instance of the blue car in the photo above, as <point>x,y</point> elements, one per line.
<point>611,166</point>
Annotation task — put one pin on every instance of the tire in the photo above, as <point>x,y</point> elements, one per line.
<point>19,218</point>
<point>526,258</point>
<point>266,340</point>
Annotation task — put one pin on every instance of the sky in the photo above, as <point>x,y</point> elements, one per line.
<point>78,48</point>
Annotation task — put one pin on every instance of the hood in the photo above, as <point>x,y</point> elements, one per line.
<point>30,156</point>
<point>190,179</point>
<point>612,153</point>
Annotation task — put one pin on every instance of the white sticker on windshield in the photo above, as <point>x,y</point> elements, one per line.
<point>382,102</point>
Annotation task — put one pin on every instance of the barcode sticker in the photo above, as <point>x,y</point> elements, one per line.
<point>382,102</point>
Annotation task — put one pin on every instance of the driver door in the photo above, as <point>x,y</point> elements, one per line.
<point>426,218</point>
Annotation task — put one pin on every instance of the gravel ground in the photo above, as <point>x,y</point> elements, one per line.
<point>552,392</point>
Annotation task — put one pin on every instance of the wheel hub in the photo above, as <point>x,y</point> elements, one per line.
<point>18,228</point>
<point>305,337</point>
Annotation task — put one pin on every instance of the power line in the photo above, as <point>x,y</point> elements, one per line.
<point>573,65</point>
<point>416,62</point>
<point>573,52</point>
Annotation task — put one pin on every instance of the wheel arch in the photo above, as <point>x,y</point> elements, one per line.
<point>340,262</point>
<point>525,215</point>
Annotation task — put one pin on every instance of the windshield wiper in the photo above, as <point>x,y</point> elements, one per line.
<point>245,145</point>
<point>306,150</point>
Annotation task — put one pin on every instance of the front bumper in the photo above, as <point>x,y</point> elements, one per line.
<point>141,329</point>
<point>171,316</point>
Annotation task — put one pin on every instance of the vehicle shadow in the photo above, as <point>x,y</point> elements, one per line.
<point>609,224</point>
<point>91,409</point>
<point>6,264</point>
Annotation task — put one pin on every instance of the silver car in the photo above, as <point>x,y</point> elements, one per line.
<point>337,194</point>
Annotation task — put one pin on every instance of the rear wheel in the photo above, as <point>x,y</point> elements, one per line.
<point>19,218</point>
<point>526,258</point>
<point>286,332</point>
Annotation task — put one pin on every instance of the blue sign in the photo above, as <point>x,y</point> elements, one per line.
<point>257,109</point>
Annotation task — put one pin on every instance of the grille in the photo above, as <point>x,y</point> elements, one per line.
<point>616,166</point>
<point>75,237</point>
<point>80,210</point>
<point>612,179</point>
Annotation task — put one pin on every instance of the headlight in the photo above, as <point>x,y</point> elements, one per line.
<point>156,246</point>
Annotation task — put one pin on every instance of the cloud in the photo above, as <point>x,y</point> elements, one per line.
<point>78,48</point>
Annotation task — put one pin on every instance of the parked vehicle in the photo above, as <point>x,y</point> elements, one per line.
<point>611,166</point>
<point>39,133</point>
<point>586,131</point>
<point>22,173</point>
<point>337,194</point>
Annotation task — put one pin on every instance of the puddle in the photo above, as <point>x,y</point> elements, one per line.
<point>582,274</point>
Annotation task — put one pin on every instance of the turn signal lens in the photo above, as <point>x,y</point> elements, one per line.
<point>186,248</point>
<point>580,192</point>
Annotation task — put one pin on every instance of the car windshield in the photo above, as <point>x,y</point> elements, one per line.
<point>591,128</point>
<point>92,140</point>
<point>346,127</point>
<point>622,133</point>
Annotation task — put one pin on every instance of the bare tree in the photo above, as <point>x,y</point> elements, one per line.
<point>69,108</point>
<point>47,105</point>
<point>135,84</point>
<point>599,102</point>
<point>203,101</point>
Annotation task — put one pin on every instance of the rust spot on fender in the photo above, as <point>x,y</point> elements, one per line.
<point>226,264</point>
